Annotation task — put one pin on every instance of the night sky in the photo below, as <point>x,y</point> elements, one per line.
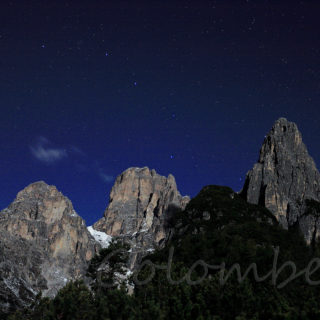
<point>90,88</point>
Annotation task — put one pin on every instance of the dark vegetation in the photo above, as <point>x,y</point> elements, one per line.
<point>217,226</point>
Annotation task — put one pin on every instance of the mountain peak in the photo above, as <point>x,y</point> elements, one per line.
<point>283,120</point>
<point>283,137</point>
<point>284,127</point>
<point>36,189</point>
<point>45,231</point>
<point>40,183</point>
<point>141,201</point>
<point>284,177</point>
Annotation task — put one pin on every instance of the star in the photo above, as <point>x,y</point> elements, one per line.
<point>171,156</point>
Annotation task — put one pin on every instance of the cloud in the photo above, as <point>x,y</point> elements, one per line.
<point>77,151</point>
<point>105,177</point>
<point>45,154</point>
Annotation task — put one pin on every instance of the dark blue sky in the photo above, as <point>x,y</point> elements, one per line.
<point>90,88</point>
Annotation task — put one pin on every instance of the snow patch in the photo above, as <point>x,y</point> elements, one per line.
<point>100,237</point>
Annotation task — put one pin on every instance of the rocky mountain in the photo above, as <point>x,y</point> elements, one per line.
<point>286,181</point>
<point>141,203</point>
<point>44,244</point>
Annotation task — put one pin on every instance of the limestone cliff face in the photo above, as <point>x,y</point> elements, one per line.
<point>141,202</point>
<point>284,177</point>
<point>44,243</point>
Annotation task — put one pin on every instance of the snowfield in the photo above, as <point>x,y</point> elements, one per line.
<point>100,237</point>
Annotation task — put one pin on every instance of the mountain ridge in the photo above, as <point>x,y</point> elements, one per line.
<point>142,212</point>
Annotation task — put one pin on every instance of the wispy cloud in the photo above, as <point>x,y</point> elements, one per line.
<point>42,152</point>
<point>95,167</point>
<point>77,151</point>
<point>105,177</point>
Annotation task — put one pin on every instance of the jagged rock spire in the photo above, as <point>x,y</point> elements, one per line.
<point>284,177</point>
<point>140,203</point>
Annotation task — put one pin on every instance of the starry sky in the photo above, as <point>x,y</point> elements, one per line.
<point>90,88</point>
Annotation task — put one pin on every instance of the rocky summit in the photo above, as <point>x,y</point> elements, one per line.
<point>44,244</point>
<point>141,203</point>
<point>285,180</point>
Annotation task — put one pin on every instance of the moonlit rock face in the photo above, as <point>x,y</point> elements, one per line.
<point>44,243</point>
<point>284,177</point>
<point>100,237</point>
<point>141,202</point>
